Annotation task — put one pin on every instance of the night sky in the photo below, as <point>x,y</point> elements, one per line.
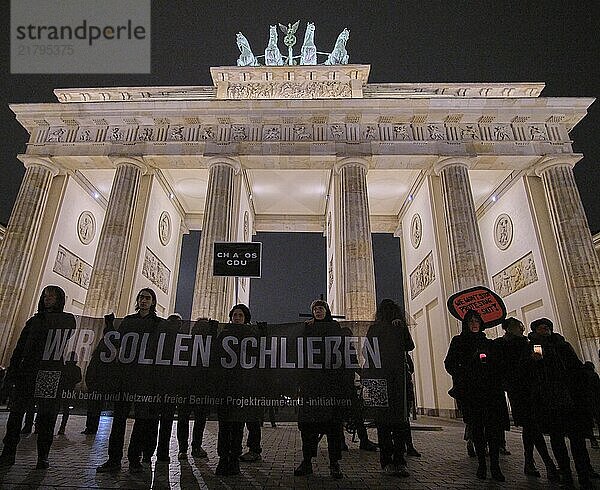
<point>555,42</point>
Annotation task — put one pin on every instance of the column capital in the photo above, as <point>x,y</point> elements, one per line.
<point>118,160</point>
<point>347,161</point>
<point>547,162</point>
<point>227,161</point>
<point>444,162</point>
<point>35,161</point>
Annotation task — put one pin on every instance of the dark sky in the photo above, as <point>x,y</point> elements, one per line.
<point>555,42</point>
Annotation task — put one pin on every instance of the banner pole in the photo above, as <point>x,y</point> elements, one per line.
<point>237,286</point>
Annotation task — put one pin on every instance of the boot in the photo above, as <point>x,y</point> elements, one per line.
<point>234,466</point>
<point>335,471</point>
<point>222,467</point>
<point>471,449</point>
<point>552,472</point>
<point>7,458</point>
<point>305,468</point>
<point>496,473</point>
<point>482,469</point>
<point>530,469</point>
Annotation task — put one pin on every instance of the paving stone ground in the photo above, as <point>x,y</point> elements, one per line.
<point>444,463</point>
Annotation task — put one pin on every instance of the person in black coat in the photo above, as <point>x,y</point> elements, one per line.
<point>34,376</point>
<point>391,331</point>
<point>516,353</point>
<point>317,384</point>
<point>123,378</point>
<point>234,382</point>
<point>558,394</point>
<point>474,362</point>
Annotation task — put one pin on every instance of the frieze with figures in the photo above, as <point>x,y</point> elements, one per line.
<point>516,276</point>
<point>301,132</point>
<point>155,271</point>
<point>422,276</point>
<point>73,268</point>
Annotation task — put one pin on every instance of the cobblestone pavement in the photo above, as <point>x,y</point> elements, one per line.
<point>444,463</point>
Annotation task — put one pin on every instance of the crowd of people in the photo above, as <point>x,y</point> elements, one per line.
<point>549,389</point>
<point>153,422</point>
<point>551,392</point>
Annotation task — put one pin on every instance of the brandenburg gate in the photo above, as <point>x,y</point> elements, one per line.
<point>475,179</point>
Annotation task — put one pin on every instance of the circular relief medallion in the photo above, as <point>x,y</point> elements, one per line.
<point>86,227</point>
<point>164,228</point>
<point>503,231</point>
<point>416,231</point>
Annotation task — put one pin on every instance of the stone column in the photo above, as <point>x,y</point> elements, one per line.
<point>106,282</point>
<point>467,262</point>
<point>357,247</point>
<point>211,293</point>
<point>579,260</point>
<point>18,246</point>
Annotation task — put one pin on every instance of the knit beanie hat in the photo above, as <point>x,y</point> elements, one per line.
<point>541,321</point>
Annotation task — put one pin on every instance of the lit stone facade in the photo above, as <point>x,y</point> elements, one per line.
<point>475,179</point>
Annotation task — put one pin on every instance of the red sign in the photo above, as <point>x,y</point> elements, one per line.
<point>480,299</point>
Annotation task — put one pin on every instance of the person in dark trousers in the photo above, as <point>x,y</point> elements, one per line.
<point>144,320</point>
<point>475,364</point>
<point>231,419</point>
<point>558,394</point>
<point>204,327</point>
<point>516,353</point>
<point>315,384</point>
<point>32,375</point>
<point>72,376</point>
<point>355,416</point>
<point>391,331</point>
<point>410,402</point>
<point>173,326</point>
<point>593,385</point>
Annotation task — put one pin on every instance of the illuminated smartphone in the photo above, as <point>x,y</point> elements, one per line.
<point>482,357</point>
<point>538,349</point>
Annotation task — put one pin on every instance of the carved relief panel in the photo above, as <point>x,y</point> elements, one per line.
<point>73,268</point>
<point>155,271</point>
<point>516,276</point>
<point>422,276</point>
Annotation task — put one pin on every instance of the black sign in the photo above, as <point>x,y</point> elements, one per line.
<point>237,259</point>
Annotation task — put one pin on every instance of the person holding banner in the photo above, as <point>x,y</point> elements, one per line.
<point>316,386</point>
<point>233,383</point>
<point>143,436</point>
<point>391,331</point>
<point>37,379</point>
<point>475,362</point>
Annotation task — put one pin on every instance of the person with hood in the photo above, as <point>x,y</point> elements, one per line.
<point>32,374</point>
<point>143,435</point>
<point>516,352</point>
<point>475,362</point>
<point>393,429</point>
<point>314,420</point>
<point>232,384</point>
<point>558,391</point>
